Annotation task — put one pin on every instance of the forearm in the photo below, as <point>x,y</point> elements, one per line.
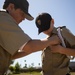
<point>19,55</point>
<point>35,45</point>
<point>38,45</point>
<point>68,51</point>
<point>32,46</point>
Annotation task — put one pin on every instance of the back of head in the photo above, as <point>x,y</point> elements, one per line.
<point>22,4</point>
<point>7,2</point>
<point>43,21</point>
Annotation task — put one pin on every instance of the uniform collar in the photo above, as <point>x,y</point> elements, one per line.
<point>54,31</point>
<point>2,10</point>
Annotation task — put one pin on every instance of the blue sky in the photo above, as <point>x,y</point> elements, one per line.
<point>62,11</point>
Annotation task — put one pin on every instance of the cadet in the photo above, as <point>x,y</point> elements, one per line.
<point>54,63</point>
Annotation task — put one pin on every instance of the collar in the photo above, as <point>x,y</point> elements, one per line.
<point>2,10</point>
<point>54,31</point>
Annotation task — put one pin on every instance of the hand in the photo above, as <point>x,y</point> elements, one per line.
<point>55,40</point>
<point>63,50</point>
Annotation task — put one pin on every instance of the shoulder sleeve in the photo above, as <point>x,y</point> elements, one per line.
<point>12,36</point>
<point>69,37</point>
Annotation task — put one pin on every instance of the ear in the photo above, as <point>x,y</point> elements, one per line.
<point>52,21</point>
<point>10,6</point>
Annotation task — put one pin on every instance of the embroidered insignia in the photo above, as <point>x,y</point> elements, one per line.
<point>39,22</point>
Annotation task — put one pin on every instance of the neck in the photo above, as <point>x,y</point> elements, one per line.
<point>49,34</point>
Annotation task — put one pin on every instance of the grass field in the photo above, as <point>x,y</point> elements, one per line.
<point>73,73</point>
<point>34,73</point>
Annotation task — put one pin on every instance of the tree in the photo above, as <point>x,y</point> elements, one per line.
<point>17,68</point>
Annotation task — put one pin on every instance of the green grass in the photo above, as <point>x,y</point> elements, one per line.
<point>36,73</point>
<point>73,73</point>
<point>33,73</point>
